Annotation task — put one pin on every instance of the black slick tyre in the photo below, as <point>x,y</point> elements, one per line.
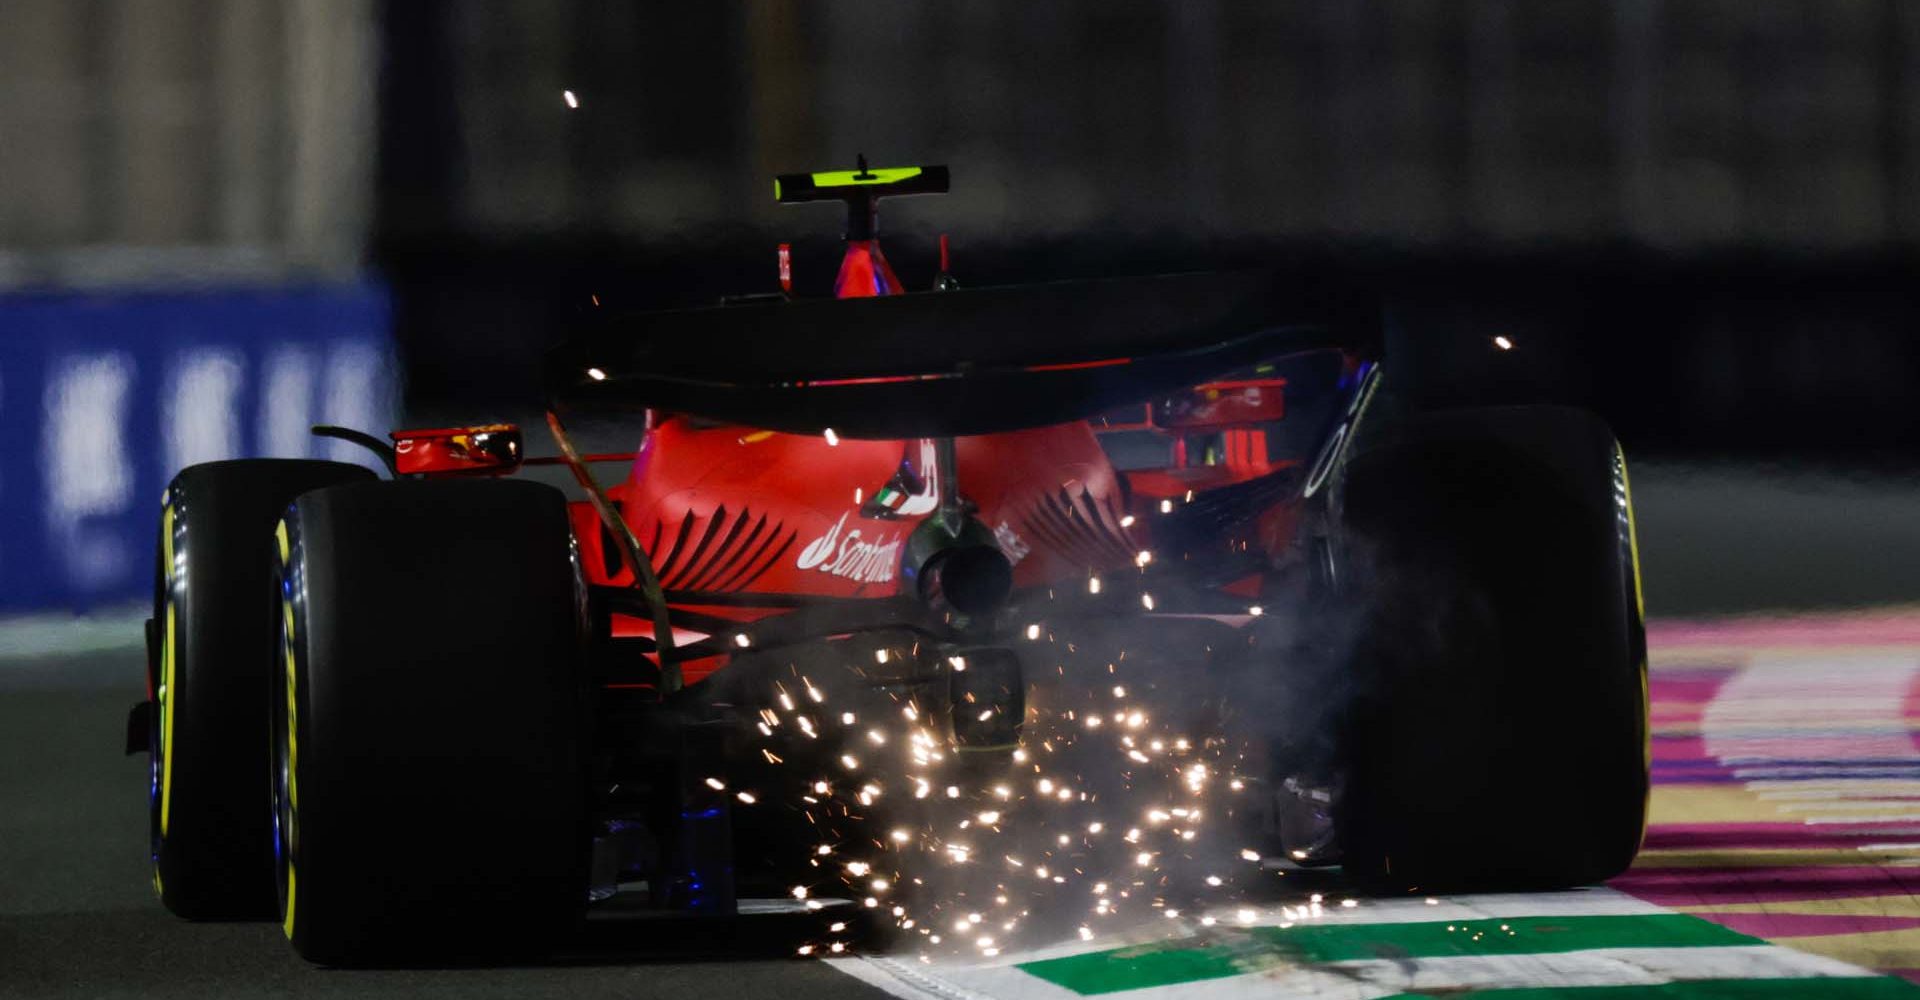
<point>430,723</point>
<point>1499,739</point>
<point>210,663</point>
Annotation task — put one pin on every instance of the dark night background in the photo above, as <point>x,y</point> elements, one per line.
<point>1697,218</point>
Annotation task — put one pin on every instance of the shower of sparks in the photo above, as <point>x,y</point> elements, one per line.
<point>572,100</point>
<point>969,853</point>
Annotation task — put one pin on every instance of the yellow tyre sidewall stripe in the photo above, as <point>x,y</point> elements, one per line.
<point>1633,535</point>
<point>169,654</point>
<point>1640,612</point>
<point>291,836</point>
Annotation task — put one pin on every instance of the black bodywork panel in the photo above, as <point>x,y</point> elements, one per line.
<point>970,361</point>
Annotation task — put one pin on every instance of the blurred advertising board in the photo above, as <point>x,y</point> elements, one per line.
<point>104,396</point>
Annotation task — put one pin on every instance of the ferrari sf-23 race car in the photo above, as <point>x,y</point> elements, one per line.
<point>896,550</point>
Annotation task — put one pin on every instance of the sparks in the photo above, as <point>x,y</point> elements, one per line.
<point>574,103</point>
<point>740,639</point>
<point>716,784</point>
<point>1093,585</point>
<point>833,439</point>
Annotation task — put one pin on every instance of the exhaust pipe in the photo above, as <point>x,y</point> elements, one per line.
<point>955,563</point>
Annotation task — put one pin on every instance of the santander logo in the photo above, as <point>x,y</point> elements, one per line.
<point>852,556</point>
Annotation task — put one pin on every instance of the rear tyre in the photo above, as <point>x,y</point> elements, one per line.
<point>1500,739</point>
<point>210,665</point>
<point>430,723</point>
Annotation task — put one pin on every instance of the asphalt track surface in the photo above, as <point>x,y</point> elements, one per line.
<point>1783,857</point>
<point>1785,844</point>
<point>78,917</point>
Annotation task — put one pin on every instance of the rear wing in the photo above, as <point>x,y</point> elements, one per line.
<point>841,185</point>
<point>971,361</point>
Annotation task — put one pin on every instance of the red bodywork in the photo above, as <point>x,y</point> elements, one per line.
<point>727,512</point>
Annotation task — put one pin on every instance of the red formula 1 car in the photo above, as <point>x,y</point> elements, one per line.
<point>446,710</point>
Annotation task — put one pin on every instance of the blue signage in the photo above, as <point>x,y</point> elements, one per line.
<point>103,397</point>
